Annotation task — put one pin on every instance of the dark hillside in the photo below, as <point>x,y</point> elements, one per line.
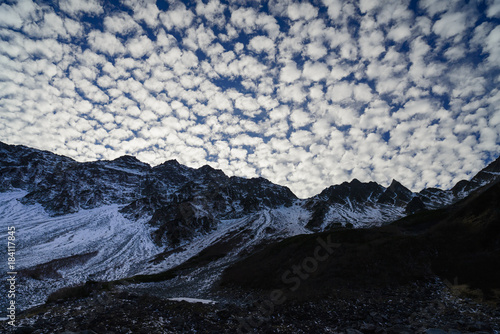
<point>460,244</point>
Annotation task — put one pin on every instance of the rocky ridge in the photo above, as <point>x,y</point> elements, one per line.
<point>182,202</point>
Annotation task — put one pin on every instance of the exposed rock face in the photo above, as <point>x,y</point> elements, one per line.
<point>182,201</point>
<point>179,200</point>
<point>414,206</point>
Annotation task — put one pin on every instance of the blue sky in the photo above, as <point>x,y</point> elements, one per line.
<point>304,93</point>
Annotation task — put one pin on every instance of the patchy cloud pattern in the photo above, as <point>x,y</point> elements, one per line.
<point>306,94</point>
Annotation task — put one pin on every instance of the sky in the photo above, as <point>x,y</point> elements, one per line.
<point>304,93</point>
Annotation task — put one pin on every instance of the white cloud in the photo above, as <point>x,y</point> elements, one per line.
<point>247,104</point>
<point>77,7</point>
<point>140,46</point>
<point>493,46</point>
<point>244,18</point>
<point>316,51</point>
<point>450,24</point>
<point>9,17</point>
<point>178,18</point>
<point>367,5</point>
<point>433,7</point>
<point>105,43</point>
<point>376,116</point>
<point>315,71</point>
<point>262,44</point>
<point>303,10</point>
<point>334,8</point>
<point>301,138</point>
<point>213,11</point>
<point>493,9</point>
<point>247,19</point>
<point>339,92</point>
<point>372,44</point>
<point>299,118</point>
<point>414,108</point>
<point>293,92</point>
<point>290,73</point>
<point>399,33</point>
<point>121,23</point>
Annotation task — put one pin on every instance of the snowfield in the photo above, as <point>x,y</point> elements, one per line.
<point>102,245</point>
<point>120,245</point>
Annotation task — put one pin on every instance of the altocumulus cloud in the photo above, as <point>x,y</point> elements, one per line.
<point>305,93</point>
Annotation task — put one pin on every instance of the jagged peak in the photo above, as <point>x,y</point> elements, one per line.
<point>355,182</point>
<point>396,186</point>
<point>209,169</point>
<point>206,168</point>
<point>172,162</point>
<point>129,159</point>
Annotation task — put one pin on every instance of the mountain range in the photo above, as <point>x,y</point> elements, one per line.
<point>181,201</point>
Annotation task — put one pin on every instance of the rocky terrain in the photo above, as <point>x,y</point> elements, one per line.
<point>431,308</point>
<point>104,246</point>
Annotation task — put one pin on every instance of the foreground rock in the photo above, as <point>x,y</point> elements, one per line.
<point>415,308</point>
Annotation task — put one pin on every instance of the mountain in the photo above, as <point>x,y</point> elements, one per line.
<point>459,243</point>
<point>62,185</point>
<point>126,220</point>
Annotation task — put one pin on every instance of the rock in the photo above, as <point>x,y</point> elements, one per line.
<point>368,328</point>
<point>352,331</point>
<point>478,326</point>
<point>24,330</point>
<point>435,331</point>
<point>400,329</point>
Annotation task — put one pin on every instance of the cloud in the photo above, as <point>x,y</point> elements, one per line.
<point>290,72</point>
<point>399,33</point>
<point>248,20</point>
<point>367,5</point>
<point>9,17</point>
<point>493,9</point>
<point>213,11</point>
<point>304,93</point>
<point>262,44</point>
<point>121,23</point>
<point>300,118</point>
<point>302,10</point>
<point>78,7</point>
<point>315,71</point>
<point>450,24</point>
<point>178,18</point>
<point>339,92</point>
<point>493,46</point>
<point>140,46</point>
<point>433,7</point>
<point>105,43</point>
<point>372,44</point>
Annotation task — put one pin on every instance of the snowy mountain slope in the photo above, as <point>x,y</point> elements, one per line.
<point>101,244</point>
<point>357,204</point>
<point>199,264</point>
<point>98,244</point>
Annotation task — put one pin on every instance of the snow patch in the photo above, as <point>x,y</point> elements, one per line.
<point>192,300</point>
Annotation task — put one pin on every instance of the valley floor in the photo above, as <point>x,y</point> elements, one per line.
<point>417,308</point>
